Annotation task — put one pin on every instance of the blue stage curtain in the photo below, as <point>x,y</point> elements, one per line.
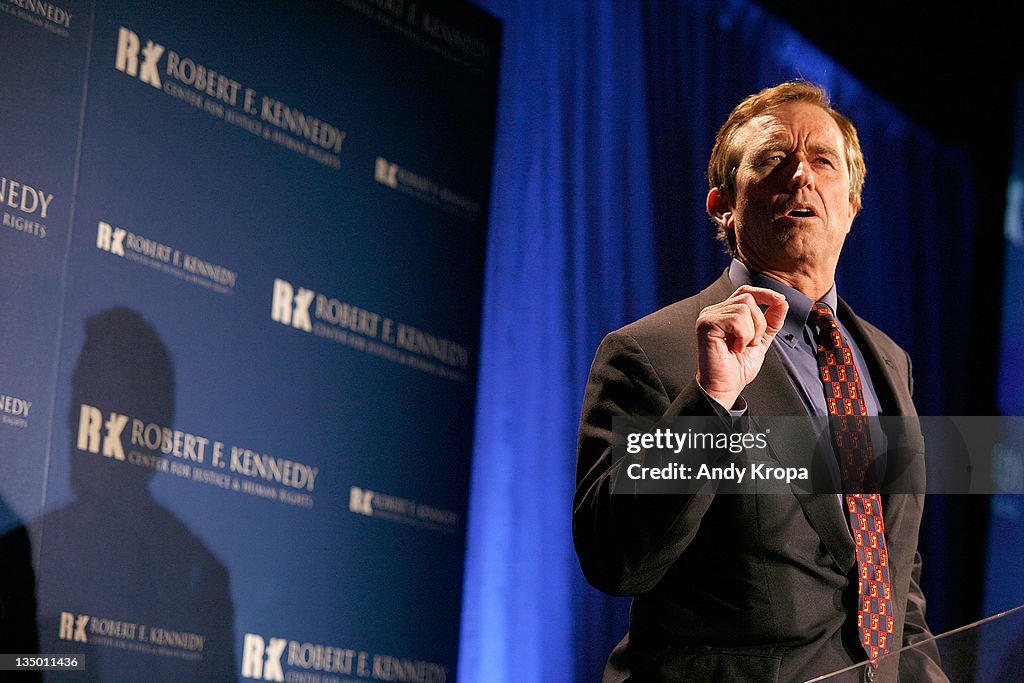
<point>607,114</point>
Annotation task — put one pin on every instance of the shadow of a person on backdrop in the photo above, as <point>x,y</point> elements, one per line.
<point>121,579</point>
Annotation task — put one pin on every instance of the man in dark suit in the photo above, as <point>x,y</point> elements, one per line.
<point>759,587</point>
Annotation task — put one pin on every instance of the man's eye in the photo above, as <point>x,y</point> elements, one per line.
<point>825,161</point>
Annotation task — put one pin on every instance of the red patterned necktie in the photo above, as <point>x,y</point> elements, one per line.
<point>852,441</point>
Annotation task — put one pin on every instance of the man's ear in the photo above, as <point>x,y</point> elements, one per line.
<point>719,207</point>
<point>855,208</point>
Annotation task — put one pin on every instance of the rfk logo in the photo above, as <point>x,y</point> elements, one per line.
<point>291,308</point>
<point>262,660</point>
<point>360,501</point>
<point>91,427</point>
<point>385,172</point>
<point>127,59</point>
<point>110,239</point>
<point>72,627</point>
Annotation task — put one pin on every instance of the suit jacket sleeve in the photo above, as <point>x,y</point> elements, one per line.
<point>626,542</point>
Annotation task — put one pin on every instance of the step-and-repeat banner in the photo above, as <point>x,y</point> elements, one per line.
<point>242,258</point>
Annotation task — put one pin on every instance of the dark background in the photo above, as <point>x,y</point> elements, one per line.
<point>950,70</point>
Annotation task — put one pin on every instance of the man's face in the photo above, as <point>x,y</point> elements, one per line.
<point>792,207</point>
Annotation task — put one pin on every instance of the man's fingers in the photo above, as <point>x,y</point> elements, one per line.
<point>775,316</point>
<point>732,338</point>
<point>742,329</point>
<point>776,307</point>
<point>739,320</point>
<point>753,312</point>
<point>730,321</point>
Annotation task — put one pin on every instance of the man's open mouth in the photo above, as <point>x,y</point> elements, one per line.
<point>801,213</point>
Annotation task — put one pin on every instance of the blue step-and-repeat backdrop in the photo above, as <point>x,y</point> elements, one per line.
<point>242,258</point>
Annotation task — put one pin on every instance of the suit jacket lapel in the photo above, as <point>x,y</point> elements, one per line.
<point>894,395</point>
<point>890,386</point>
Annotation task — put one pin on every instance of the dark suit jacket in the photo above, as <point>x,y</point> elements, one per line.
<point>734,587</point>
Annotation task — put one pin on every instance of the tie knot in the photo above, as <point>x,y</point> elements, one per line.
<point>821,310</point>
<point>822,319</point>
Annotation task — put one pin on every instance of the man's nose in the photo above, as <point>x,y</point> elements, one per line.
<point>802,177</point>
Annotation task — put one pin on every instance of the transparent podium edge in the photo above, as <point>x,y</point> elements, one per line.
<point>935,639</point>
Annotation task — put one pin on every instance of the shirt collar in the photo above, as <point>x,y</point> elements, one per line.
<point>799,303</point>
